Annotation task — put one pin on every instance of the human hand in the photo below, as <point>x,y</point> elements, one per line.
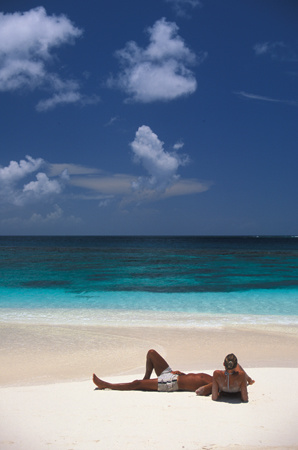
<point>177,372</point>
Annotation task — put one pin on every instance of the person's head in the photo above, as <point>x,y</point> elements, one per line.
<point>230,361</point>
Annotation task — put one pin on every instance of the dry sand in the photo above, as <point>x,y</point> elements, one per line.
<point>47,398</point>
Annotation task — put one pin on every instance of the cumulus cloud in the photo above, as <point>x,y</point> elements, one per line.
<point>161,182</point>
<point>161,166</point>
<point>27,41</point>
<point>14,189</point>
<point>16,171</point>
<point>53,217</point>
<point>50,217</point>
<point>160,71</point>
<point>182,7</point>
<point>43,186</point>
<point>33,182</point>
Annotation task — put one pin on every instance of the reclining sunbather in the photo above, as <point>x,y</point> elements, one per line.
<point>167,380</point>
<point>233,379</point>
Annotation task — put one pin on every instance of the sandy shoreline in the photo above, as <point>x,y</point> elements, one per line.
<point>47,398</point>
<point>38,354</point>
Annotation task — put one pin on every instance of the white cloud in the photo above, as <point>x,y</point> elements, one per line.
<point>27,41</point>
<point>104,203</point>
<point>107,185</point>
<point>266,99</point>
<point>107,188</point>
<point>43,186</point>
<point>58,99</point>
<point>23,186</point>
<point>187,187</point>
<point>261,49</point>
<point>162,181</point>
<point>56,216</point>
<point>50,217</point>
<point>66,98</point>
<point>34,33</point>
<point>161,166</point>
<point>160,71</point>
<point>111,121</point>
<point>72,169</point>
<point>276,50</point>
<point>40,221</point>
<point>14,190</point>
<point>181,7</point>
<point>178,145</point>
<point>16,171</point>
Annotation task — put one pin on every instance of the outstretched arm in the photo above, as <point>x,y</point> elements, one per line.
<point>177,372</point>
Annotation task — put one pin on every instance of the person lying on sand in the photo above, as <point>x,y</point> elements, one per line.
<point>231,380</point>
<point>167,380</point>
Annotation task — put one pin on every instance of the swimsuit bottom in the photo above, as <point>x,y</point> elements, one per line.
<point>167,381</point>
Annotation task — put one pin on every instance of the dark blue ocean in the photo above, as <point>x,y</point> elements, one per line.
<point>181,281</point>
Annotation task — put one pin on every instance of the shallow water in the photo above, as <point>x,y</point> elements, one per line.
<point>183,281</point>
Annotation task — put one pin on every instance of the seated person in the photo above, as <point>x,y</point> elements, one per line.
<point>231,380</point>
<point>167,380</point>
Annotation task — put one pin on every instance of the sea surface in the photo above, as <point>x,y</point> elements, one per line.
<point>156,281</point>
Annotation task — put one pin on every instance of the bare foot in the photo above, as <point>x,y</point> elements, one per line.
<point>99,383</point>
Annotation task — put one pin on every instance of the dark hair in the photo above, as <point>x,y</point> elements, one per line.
<point>230,361</point>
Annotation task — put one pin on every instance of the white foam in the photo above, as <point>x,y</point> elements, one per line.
<point>136,318</point>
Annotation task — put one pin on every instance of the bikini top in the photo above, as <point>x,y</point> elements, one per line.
<point>228,373</point>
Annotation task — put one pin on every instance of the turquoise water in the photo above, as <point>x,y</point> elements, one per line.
<point>117,280</point>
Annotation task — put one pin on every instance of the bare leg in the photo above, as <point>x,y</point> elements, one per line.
<point>205,390</point>
<point>136,385</point>
<point>154,361</point>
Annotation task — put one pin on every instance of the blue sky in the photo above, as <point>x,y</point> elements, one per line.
<point>174,117</point>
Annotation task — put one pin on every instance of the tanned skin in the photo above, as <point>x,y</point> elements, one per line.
<point>154,361</point>
<point>201,383</point>
<point>231,381</point>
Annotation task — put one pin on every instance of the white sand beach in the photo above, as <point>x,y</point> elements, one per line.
<point>68,413</point>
